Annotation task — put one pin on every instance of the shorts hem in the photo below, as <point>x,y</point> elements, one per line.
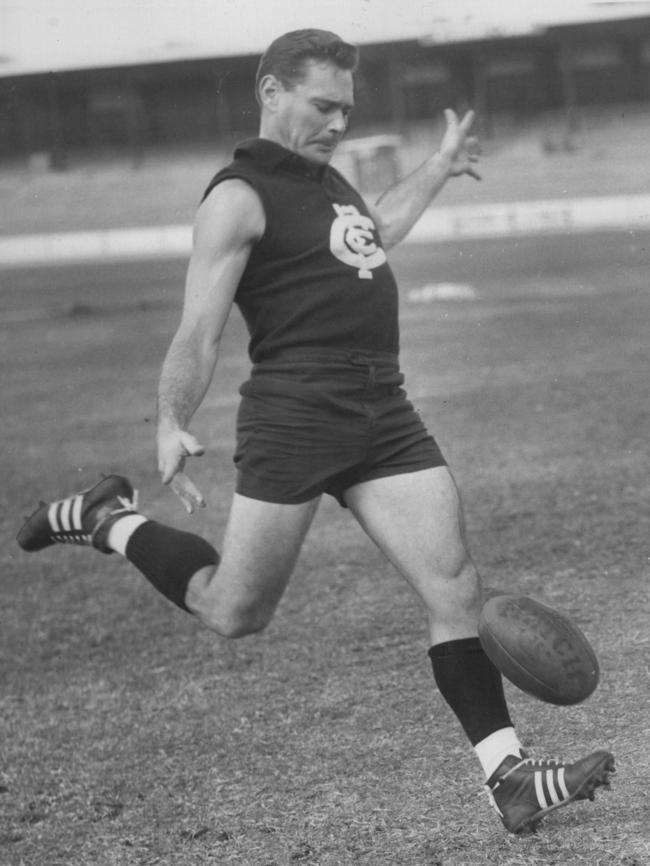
<point>391,471</point>
<point>388,472</point>
<point>279,499</point>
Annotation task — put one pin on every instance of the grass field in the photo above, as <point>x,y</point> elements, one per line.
<point>131,736</point>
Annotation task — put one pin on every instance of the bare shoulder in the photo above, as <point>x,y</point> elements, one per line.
<point>232,211</point>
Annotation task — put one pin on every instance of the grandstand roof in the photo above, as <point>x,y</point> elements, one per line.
<point>56,35</point>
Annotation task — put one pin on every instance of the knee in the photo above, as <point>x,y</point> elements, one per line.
<point>241,625</point>
<point>456,582</point>
<point>235,623</point>
<point>230,614</point>
<point>455,565</point>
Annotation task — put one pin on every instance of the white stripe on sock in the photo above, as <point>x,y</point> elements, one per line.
<point>539,790</point>
<point>121,531</point>
<point>492,750</point>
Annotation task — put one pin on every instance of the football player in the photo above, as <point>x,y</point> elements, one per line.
<point>285,237</point>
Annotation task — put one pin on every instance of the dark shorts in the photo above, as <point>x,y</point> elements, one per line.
<point>319,423</point>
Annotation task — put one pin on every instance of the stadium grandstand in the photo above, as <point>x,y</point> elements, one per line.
<point>56,108</point>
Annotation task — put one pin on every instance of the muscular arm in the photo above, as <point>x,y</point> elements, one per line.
<point>227,225</point>
<point>401,206</point>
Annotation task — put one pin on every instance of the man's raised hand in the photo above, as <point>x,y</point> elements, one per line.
<point>461,148</point>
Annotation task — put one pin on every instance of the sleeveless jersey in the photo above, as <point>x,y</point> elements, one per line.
<point>318,277</point>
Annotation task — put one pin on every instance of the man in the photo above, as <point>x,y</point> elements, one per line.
<point>283,235</point>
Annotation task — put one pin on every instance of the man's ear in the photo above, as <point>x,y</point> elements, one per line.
<point>269,90</point>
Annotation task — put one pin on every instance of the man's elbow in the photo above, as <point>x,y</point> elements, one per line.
<point>390,235</point>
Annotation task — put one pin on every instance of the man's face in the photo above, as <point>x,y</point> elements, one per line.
<point>313,116</point>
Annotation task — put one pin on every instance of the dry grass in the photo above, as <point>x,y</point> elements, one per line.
<point>130,737</point>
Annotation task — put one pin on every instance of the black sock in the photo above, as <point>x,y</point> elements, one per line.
<point>169,558</point>
<point>472,686</point>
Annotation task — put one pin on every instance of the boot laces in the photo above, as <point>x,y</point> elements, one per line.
<point>129,504</point>
<point>541,762</point>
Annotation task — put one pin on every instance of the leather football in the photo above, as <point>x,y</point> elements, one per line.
<point>539,649</point>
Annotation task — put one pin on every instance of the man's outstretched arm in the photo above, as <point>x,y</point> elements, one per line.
<point>401,206</point>
<point>228,223</point>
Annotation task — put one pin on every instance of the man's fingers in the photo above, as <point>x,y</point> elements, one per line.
<point>463,126</point>
<point>172,452</point>
<point>166,475</point>
<point>451,117</point>
<point>466,123</point>
<point>191,445</point>
<point>187,492</point>
<point>168,468</point>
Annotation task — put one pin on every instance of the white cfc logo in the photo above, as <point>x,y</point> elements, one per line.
<point>352,240</point>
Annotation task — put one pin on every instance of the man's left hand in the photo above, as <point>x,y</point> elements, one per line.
<point>462,149</point>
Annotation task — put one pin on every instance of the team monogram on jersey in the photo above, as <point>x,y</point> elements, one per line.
<point>352,240</point>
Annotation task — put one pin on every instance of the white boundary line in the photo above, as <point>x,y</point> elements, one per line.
<point>552,216</point>
<point>112,244</point>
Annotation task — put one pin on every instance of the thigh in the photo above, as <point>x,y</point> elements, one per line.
<point>416,520</point>
<point>260,548</point>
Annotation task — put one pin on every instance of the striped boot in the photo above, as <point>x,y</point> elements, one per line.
<point>524,790</point>
<point>83,518</point>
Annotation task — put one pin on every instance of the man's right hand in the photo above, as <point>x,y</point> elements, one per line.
<point>174,447</point>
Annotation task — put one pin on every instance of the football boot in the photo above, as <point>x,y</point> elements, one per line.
<point>524,790</point>
<point>83,518</point>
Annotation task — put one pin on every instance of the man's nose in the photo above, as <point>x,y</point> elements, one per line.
<point>338,122</point>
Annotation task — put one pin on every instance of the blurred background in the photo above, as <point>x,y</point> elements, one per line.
<point>117,113</point>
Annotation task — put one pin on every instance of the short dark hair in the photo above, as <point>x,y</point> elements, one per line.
<point>286,56</point>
